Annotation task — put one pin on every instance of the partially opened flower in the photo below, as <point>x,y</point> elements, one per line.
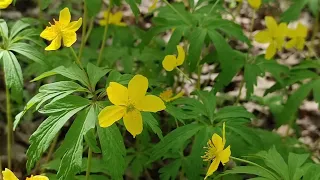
<point>298,37</point>
<point>9,175</point>
<point>171,61</point>
<point>167,95</point>
<point>128,102</point>
<point>216,153</point>
<point>5,3</point>
<point>274,35</point>
<point>114,19</point>
<point>62,30</point>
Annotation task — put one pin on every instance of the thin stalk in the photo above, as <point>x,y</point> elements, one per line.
<point>252,23</point>
<point>105,33</point>
<point>254,164</point>
<point>213,6</point>
<point>76,57</point>
<point>184,75</point>
<point>51,150</point>
<point>240,91</point>
<point>9,127</point>
<point>84,29</point>
<point>89,30</point>
<point>314,32</point>
<point>89,164</point>
<point>178,13</point>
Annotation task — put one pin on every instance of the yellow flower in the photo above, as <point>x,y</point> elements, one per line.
<point>274,35</point>
<point>167,95</point>
<point>216,152</point>
<point>128,102</point>
<point>298,37</point>
<point>255,4</point>
<point>113,19</point>
<point>8,175</point>
<point>5,3</point>
<point>153,6</point>
<point>62,30</point>
<point>171,61</point>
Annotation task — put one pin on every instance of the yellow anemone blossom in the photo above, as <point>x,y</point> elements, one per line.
<point>5,3</point>
<point>274,35</point>
<point>128,102</point>
<point>171,61</point>
<point>216,152</point>
<point>114,19</point>
<point>153,6</point>
<point>62,30</point>
<point>8,175</point>
<point>298,37</point>
<point>167,95</point>
<point>255,4</point>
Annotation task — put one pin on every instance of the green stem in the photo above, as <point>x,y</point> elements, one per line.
<point>252,23</point>
<point>76,57</point>
<point>240,91</point>
<point>84,29</point>
<point>178,13</point>
<point>89,164</point>
<point>254,164</point>
<point>105,33</point>
<point>9,127</point>
<point>89,30</point>
<point>184,75</point>
<point>314,33</point>
<point>213,6</point>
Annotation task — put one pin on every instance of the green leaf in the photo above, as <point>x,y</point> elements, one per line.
<point>314,6</point>
<point>232,112</point>
<point>45,4</point>
<point>4,29</point>
<point>312,172</point>
<point>295,161</point>
<point>254,170</point>
<point>72,148</point>
<point>174,138</point>
<point>209,101</point>
<point>196,40</point>
<point>95,73</point>
<point>65,104</point>
<point>28,51</point>
<point>316,91</point>
<point>277,70</point>
<point>12,72</point>
<point>134,7</point>
<point>113,150</point>
<point>293,103</point>
<point>251,72</point>
<point>174,40</point>
<point>93,7</point>
<point>150,121</point>
<point>171,170</point>
<point>91,140</point>
<point>294,11</point>
<point>42,137</point>
<point>18,27</point>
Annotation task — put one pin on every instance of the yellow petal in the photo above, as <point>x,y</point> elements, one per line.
<point>38,177</point>
<point>102,22</point>
<point>255,4</point>
<point>5,3</point>
<point>271,24</point>
<point>271,51</point>
<point>263,36</point>
<point>300,43</point>
<point>137,88</point>
<point>69,37</point>
<point>133,122</point>
<point>292,43</point>
<point>213,167</point>
<point>217,142</point>
<point>55,44</point>
<point>292,33</point>
<point>110,115</point>
<point>181,55</point>
<point>279,43</point>
<point>115,18</point>
<point>117,94</point>
<point>65,17</point>
<point>282,30</point>
<point>302,30</point>
<point>150,103</point>
<point>166,95</point>
<point>74,25</point>
<point>8,175</point>
<point>180,94</point>
<point>169,62</point>
<point>49,33</point>
<point>153,6</point>
<point>224,155</point>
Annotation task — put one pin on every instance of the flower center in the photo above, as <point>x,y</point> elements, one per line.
<point>211,152</point>
<point>130,108</point>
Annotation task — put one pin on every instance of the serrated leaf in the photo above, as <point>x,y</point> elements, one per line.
<point>171,170</point>
<point>196,40</point>
<point>171,140</point>
<point>42,137</point>
<point>72,147</point>
<point>95,73</point>
<point>209,101</point>
<point>113,150</point>
<point>251,72</point>
<point>153,124</point>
